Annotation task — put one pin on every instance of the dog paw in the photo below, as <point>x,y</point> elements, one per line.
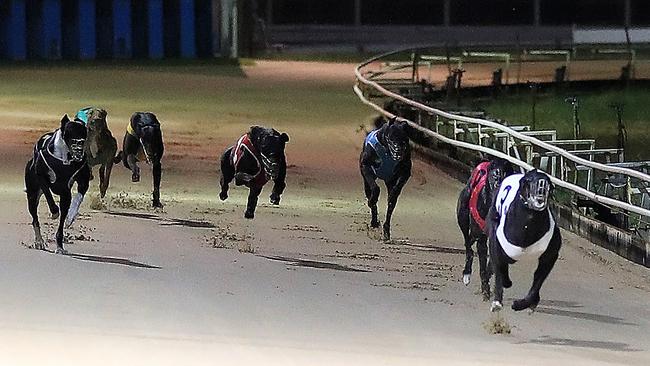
<point>135,178</point>
<point>157,204</point>
<point>54,215</point>
<point>39,245</point>
<point>507,283</point>
<point>496,306</point>
<point>525,303</point>
<point>386,232</point>
<point>60,250</point>
<point>223,196</point>
<point>374,224</point>
<point>466,278</point>
<point>249,214</point>
<point>275,199</point>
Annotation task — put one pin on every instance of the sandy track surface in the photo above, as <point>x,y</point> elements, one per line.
<point>306,282</point>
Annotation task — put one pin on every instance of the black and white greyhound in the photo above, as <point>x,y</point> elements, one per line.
<point>471,211</point>
<point>143,142</point>
<point>386,155</point>
<point>257,157</point>
<point>521,224</point>
<point>58,162</point>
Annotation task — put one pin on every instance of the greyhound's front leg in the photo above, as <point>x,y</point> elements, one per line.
<point>545,265</point>
<point>253,194</point>
<point>157,174</point>
<point>393,193</point>
<point>135,169</point>
<point>227,174</point>
<point>82,187</point>
<point>105,177</point>
<point>499,267</point>
<point>64,201</point>
<point>278,188</point>
<point>279,184</point>
<point>372,193</point>
<point>33,197</point>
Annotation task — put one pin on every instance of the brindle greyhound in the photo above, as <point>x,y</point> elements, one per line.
<point>257,157</point>
<point>386,154</point>
<point>143,142</point>
<point>521,224</point>
<point>472,208</point>
<point>101,146</point>
<point>57,163</point>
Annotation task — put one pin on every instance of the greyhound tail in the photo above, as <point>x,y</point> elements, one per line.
<point>118,157</point>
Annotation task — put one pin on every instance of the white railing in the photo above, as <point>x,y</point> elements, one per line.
<point>362,80</point>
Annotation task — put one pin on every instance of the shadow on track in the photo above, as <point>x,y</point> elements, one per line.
<point>111,260</point>
<point>312,264</point>
<point>612,346</point>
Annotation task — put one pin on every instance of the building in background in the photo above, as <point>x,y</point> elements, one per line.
<point>91,29</point>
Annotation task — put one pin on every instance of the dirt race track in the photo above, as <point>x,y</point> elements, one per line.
<point>305,283</point>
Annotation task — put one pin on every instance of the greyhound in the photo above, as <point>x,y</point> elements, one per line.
<point>521,224</point>
<point>472,208</point>
<point>143,142</point>
<point>386,155</point>
<point>57,163</point>
<point>257,157</point>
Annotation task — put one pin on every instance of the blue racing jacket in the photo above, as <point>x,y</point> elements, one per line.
<point>384,166</point>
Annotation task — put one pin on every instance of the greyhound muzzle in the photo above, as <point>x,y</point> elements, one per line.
<point>397,151</point>
<point>271,166</point>
<point>77,149</point>
<point>538,195</point>
<point>494,180</point>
